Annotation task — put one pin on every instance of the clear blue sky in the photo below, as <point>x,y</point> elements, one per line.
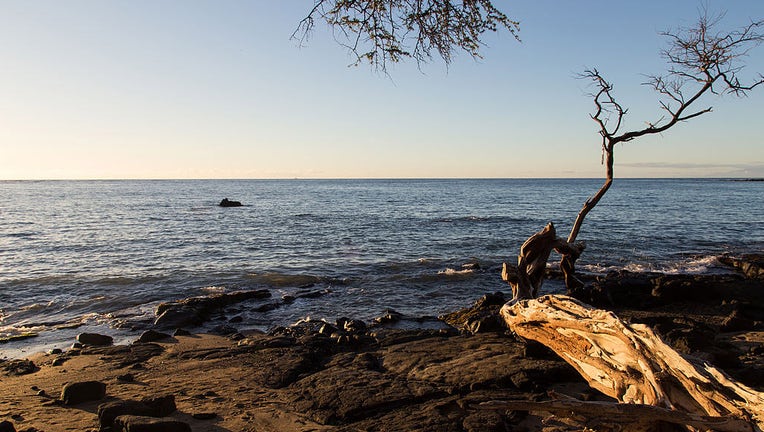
<point>216,89</point>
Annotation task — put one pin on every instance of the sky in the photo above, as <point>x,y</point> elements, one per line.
<point>123,89</point>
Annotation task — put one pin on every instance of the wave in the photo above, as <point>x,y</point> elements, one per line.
<point>708,264</point>
<point>285,280</point>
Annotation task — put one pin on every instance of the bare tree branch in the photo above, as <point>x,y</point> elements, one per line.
<point>701,61</point>
<point>382,31</point>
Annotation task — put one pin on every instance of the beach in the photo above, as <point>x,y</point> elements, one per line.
<point>389,373</point>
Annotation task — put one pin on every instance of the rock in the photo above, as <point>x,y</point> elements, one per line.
<point>16,338</point>
<point>18,367</point>
<point>108,412</point>
<point>55,351</point>
<point>737,321</point>
<point>223,330</point>
<point>130,423</point>
<point>6,426</point>
<point>355,326</point>
<point>194,311</point>
<point>482,317</point>
<point>161,405</point>
<point>752,265</point>
<point>390,316</point>
<point>126,377</point>
<point>181,332</point>
<point>152,336</point>
<point>94,339</point>
<point>204,415</point>
<point>85,391</point>
<point>228,203</point>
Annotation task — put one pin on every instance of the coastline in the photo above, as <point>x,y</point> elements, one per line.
<point>389,375</point>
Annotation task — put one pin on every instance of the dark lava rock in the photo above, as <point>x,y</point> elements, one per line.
<point>6,426</point>
<point>16,338</point>
<point>125,355</point>
<point>223,330</point>
<point>390,316</point>
<point>18,367</point>
<point>161,405</point>
<point>482,317</point>
<point>126,378</point>
<point>78,392</point>
<point>196,310</point>
<point>94,339</point>
<point>181,332</point>
<point>152,336</point>
<point>228,203</point>
<point>129,423</point>
<point>737,321</point>
<point>109,411</point>
<point>752,265</point>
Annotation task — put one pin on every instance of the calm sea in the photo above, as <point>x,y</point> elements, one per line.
<point>101,254</point>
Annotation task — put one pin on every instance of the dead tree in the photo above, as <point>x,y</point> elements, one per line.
<point>629,361</point>
<point>382,31</point>
<point>701,62</point>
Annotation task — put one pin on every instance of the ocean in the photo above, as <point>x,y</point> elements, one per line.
<point>99,256</point>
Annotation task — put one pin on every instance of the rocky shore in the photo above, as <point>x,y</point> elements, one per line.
<point>396,373</point>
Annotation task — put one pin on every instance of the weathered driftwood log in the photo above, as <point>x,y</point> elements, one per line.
<point>532,259</point>
<point>630,363</point>
<point>608,415</point>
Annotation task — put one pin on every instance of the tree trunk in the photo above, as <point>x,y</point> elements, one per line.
<point>630,363</point>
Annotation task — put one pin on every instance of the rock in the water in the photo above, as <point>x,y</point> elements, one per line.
<point>195,310</point>
<point>130,423</point>
<point>152,336</point>
<point>85,391</point>
<point>6,426</point>
<point>228,203</point>
<point>752,265</point>
<point>94,339</point>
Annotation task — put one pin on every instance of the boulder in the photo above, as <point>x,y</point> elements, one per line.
<point>131,423</point>
<point>108,412</point>
<point>6,426</point>
<point>85,391</point>
<point>228,203</point>
<point>94,339</point>
<point>159,406</point>
<point>194,311</point>
<point>18,367</point>
<point>152,336</point>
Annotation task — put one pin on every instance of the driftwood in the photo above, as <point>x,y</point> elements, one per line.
<point>633,365</point>
<point>532,259</point>
<point>638,416</point>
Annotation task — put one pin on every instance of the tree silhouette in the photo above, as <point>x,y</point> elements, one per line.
<point>701,61</point>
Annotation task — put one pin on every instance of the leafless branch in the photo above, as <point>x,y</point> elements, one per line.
<point>382,31</point>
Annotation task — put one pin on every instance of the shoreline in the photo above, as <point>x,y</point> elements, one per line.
<point>351,375</point>
<point>224,307</point>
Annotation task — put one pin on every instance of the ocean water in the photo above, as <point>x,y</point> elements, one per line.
<point>100,255</point>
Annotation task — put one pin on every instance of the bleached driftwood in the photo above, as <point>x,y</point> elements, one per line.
<point>638,417</point>
<point>630,363</point>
